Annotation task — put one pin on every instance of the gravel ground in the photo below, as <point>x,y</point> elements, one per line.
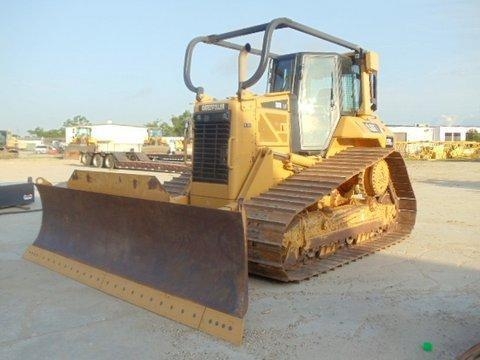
<point>384,307</point>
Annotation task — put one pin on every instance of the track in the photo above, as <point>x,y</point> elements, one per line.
<point>471,354</point>
<point>270,214</point>
<point>178,185</point>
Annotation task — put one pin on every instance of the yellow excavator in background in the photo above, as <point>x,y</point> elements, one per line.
<point>286,185</point>
<point>79,142</point>
<point>8,145</point>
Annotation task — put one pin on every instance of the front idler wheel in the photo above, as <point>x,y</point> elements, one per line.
<point>374,180</point>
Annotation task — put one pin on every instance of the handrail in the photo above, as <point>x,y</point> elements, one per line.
<point>264,53</point>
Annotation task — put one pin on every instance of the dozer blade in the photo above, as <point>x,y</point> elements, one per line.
<point>182,262</point>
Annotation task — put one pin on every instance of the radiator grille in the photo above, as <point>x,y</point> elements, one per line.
<point>210,147</point>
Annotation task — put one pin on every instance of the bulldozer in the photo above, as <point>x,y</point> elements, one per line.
<point>285,185</point>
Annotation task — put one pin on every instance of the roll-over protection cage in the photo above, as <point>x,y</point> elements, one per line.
<point>264,53</point>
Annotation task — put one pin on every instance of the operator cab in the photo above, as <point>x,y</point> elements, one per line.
<point>325,86</point>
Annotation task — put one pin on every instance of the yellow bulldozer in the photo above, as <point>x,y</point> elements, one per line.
<point>286,185</point>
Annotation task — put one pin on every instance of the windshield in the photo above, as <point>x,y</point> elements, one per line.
<point>350,90</point>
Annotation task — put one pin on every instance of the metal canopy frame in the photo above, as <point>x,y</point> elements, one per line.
<point>264,53</point>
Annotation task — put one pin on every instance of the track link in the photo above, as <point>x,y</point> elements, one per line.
<point>270,214</point>
<point>178,185</point>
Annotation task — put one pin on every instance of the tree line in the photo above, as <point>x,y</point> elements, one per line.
<point>175,128</point>
<point>472,135</point>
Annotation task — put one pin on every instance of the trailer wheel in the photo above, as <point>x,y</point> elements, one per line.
<point>97,160</point>
<point>109,162</point>
<point>83,159</point>
<point>87,159</point>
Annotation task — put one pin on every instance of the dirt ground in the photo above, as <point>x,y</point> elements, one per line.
<point>425,289</point>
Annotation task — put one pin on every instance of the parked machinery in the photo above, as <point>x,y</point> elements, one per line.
<point>79,141</point>
<point>8,145</point>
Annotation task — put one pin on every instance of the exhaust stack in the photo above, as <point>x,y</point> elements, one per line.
<point>243,66</point>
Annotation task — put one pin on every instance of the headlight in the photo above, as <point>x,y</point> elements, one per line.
<point>389,142</point>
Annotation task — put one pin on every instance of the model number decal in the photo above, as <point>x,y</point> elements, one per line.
<point>279,105</point>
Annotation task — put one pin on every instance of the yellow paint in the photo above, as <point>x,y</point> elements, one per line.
<point>129,185</point>
<point>262,123</point>
<point>371,62</point>
<point>195,315</point>
<point>260,177</point>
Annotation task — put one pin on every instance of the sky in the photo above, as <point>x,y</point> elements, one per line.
<point>122,61</point>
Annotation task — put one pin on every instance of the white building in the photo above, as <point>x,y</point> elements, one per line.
<point>452,133</point>
<point>412,133</point>
<point>421,132</point>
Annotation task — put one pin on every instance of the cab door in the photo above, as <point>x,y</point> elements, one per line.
<point>318,106</point>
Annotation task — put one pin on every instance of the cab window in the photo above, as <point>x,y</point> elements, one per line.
<point>282,74</point>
